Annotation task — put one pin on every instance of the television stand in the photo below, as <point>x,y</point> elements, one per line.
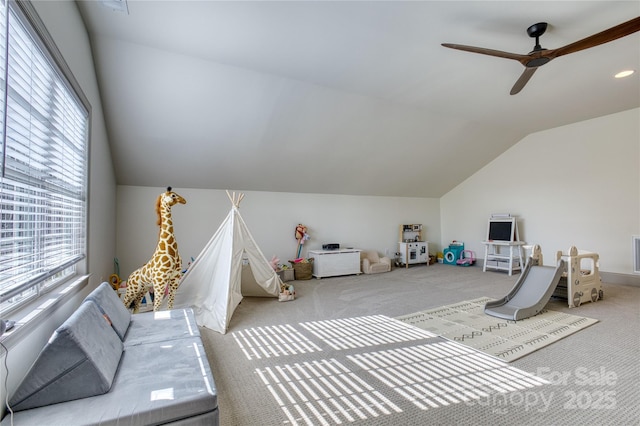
<point>495,258</point>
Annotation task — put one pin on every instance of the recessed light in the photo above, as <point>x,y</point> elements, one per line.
<point>625,73</point>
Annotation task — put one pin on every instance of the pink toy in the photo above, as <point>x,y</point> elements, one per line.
<point>467,258</point>
<point>274,263</point>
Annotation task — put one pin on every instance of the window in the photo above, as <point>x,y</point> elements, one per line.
<point>44,127</point>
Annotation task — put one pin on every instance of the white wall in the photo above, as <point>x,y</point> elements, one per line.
<point>67,29</point>
<point>363,222</point>
<point>573,185</point>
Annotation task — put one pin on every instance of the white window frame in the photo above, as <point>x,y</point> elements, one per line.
<point>68,263</point>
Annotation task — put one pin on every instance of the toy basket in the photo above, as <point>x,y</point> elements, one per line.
<point>303,270</point>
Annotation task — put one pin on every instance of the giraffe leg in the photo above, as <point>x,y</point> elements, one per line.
<point>128,296</point>
<point>171,297</point>
<point>173,286</point>
<point>132,289</point>
<point>136,303</point>
<point>158,290</point>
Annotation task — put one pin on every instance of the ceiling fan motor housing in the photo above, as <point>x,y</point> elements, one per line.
<point>536,30</point>
<point>536,62</point>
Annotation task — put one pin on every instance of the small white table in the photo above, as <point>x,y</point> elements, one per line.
<point>331,263</point>
<point>494,258</point>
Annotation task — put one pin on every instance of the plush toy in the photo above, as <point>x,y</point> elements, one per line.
<point>163,270</point>
<point>301,236</point>
<point>287,293</point>
<point>115,281</point>
<point>274,263</point>
<point>300,231</point>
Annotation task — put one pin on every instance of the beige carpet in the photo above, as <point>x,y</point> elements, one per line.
<point>466,323</point>
<point>372,370</point>
<point>268,340</point>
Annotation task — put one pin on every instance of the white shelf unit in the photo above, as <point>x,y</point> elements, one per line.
<point>410,233</point>
<point>331,263</point>
<point>503,255</point>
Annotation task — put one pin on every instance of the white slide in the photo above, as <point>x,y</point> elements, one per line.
<point>530,294</point>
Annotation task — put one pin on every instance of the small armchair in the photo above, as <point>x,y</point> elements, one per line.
<point>372,263</point>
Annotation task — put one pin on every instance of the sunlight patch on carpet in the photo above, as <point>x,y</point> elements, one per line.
<point>372,368</point>
<point>444,373</point>
<point>359,332</point>
<point>466,323</point>
<point>324,392</point>
<point>273,341</point>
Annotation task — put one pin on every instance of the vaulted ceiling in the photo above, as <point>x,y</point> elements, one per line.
<point>342,97</point>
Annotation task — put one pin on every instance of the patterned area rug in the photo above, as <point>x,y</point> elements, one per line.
<point>466,323</point>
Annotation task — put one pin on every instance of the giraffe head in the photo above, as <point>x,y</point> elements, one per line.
<point>167,199</point>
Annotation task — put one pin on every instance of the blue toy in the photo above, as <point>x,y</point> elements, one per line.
<point>453,253</point>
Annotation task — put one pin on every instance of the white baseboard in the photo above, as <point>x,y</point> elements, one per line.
<point>607,277</point>
<point>616,278</point>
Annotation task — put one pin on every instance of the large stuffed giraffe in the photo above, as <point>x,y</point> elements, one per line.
<point>164,268</point>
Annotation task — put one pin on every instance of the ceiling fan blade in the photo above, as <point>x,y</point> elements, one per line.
<point>522,81</point>
<point>490,52</point>
<point>602,37</point>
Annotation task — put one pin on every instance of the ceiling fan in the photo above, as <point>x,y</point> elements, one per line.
<point>540,56</point>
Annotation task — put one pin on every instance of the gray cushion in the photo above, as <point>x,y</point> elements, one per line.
<point>110,304</point>
<point>161,326</point>
<point>80,360</point>
<point>156,384</point>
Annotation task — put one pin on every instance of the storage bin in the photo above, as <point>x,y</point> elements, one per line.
<point>286,275</point>
<point>303,271</point>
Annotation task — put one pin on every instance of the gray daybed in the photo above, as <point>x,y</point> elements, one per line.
<point>104,366</point>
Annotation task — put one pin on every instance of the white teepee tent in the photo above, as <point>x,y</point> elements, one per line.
<point>212,285</point>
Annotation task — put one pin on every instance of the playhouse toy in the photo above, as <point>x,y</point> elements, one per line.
<point>581,282</point>
<point>467,258</point>
<point>453,253</point>
<point>538,283</point>
<point>536,254</point>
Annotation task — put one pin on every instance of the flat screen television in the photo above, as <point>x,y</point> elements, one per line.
<point>502,229</point>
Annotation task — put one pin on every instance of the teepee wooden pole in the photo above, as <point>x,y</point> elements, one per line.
<point>235,200</point>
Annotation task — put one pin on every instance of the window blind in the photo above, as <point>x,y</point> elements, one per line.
<point>43,159</point>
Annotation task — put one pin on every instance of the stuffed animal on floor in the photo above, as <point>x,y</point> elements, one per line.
<point>287,293</point>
